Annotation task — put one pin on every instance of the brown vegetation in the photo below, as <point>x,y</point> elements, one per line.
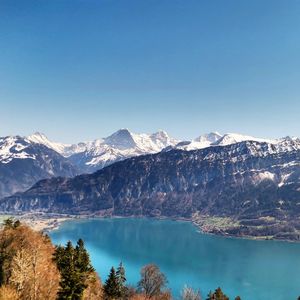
<point>94,288</point>
<point>162,296</point>
<point>27,268</point>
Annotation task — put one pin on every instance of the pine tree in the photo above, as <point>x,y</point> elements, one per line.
<point>121,280</point>
<point>217,295</point>
<point>111,287</point>
<point>82,258</point>
<point>75,267</point>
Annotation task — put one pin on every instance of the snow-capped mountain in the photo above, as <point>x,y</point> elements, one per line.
<point>93,155</point>
<point>203,141</point>
<point>36,157</point>
<point>216,139</point>
<point>61,148</point>
<point>233,138</point>
<point>119,146</point>
<point>253,183</point>
<point>23,162</point>
<point>40,138</point>
<point>13,147</point>
<point>122,144</point>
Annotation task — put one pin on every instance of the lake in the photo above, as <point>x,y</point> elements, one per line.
<point>260,270</point>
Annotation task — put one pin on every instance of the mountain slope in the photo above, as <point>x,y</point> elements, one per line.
<point>244,181</point>
<point>203,141</point>
<point>25,160</point>
<point>119,146</point>
<point>91,156</point>
<point>23,163</point>
<point>94,155</point>
<point>233,138</point>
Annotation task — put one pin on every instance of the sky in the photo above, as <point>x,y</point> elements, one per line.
<point>81,69</point>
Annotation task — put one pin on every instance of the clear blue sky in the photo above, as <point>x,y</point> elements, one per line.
<point>80,69</point>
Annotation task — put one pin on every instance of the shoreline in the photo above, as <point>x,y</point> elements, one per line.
<point>46,222</point>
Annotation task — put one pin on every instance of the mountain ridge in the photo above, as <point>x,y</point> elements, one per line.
<point>244,182</point>
<point>22,164</point>
<point>88,157</point>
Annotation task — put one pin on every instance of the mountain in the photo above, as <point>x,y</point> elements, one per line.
<point>91,156</point>
<point>25,160</point>
<point>40,138</point>
<point>94,155</point>
<point>232,138</point>
<point>88,157</point>
<point>23,163</point>
<point>203,141</point>
<point>119,146</point>
<point>250,183</point>
<point>65,150</point>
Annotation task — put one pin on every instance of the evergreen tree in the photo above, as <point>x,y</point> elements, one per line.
<point>121,280</point>
<point>111,287</point>
<point>82,258</point>
<point>75,267</point>
<point>217,295</point>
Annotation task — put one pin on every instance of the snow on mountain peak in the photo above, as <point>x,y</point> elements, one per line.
<point>161,134</point>
<point>121,139</point>
<point>40,138</point>
<point>288,139</point>
<point>13,147</point>
<point>123,144</point>
<point>233,138</point>
<point>209,137</point>
<point>162,139</point>
<point>203,141</point>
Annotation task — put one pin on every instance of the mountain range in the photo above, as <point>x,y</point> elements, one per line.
<point>253,182</point>
<point>25,160</point>
<point>93,155</point>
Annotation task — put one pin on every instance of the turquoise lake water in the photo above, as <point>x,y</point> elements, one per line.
<point>254,270</point>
